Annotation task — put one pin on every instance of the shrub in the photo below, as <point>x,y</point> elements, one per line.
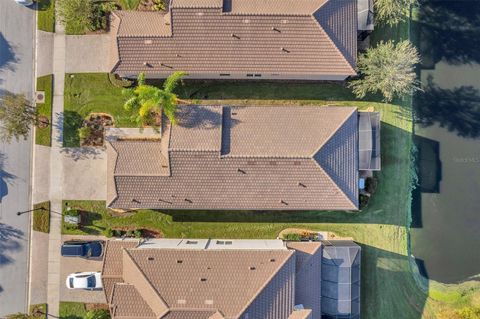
<point>159,5</point>
<point>97,314</point>
<point>117,233</point>
<point>108,232</point>
<point>129,233</point>
<point>137,233</point>
<point>76,15</point>
<point>118,81</point>
<point>84,132</point>
<point>292,237</point>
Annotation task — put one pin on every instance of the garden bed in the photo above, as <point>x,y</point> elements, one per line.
<point>92,132</point>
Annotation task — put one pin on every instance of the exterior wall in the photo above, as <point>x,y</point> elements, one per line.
<point>244,76</point>
<point>276,299</point>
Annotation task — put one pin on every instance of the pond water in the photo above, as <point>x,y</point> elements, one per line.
<point>445,234</point>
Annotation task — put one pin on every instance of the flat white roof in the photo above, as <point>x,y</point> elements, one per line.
<point>214,244</point>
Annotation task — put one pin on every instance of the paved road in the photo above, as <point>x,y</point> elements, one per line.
<point>16,75</point>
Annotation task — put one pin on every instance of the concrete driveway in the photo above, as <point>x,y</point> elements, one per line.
<point>70,265</point>
<point>87,53</point>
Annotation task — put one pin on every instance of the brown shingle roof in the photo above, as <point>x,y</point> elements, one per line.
<point>127,302</point>
<point>247,159</point>
<point>314,38</point>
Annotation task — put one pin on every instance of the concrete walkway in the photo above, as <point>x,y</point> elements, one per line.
<point>56,173</point>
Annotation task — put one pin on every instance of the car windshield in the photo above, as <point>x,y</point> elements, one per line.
<point>71,282</point>
<point>87,250</point>
<point>91,282</point>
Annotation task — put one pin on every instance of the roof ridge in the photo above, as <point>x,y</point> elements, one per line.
<point>262,287</point>
<point>330,39</point>
<point>162,301</point>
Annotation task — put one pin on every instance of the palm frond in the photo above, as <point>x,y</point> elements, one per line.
<point>172,81</point>
<point>141,79</point>
<point>131,103</point>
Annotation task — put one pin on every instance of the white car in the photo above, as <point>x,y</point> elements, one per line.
<point>85,280</point>
<point>25,2</point>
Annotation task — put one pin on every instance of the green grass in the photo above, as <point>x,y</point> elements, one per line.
<point>43,135</point>
<point>129,4</point>
<point>91,92</point>
<point>46,15</point>
<point>72,310</point>
<point>41,308</point>
<point>41,217</point>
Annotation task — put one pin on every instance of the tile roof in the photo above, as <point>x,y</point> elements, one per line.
<point>188,283</point>
<point>245,159</point>
<point>303,38</point>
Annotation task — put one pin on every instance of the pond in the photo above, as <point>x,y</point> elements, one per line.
<point>445,234</point>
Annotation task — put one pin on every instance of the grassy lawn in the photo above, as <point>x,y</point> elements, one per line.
<point>46,15</point>
<point>91,92</point>
<point>41,217</point>
<point>43,135</point>
<point>72,310</point>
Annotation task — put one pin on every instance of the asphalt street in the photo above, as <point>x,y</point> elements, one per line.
<point>16,75</point>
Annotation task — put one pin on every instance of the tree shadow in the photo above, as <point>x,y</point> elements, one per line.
<point>43,5</point>
<point>457,109</point>
<point>83,153</point>
<point>72,121</point>
<point>10,240</point>
<point>450,31</point>
<point>6,178</point>
<point>8,58</point>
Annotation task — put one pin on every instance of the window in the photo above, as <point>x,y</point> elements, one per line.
<point>250,75</point>
<point>220,242</point>
<point>224,74</point>
<point>258,75</point>
<point>228,242</point>
<point>192,242</point>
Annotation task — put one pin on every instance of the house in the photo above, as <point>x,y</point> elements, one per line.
<point>245,158</point>
<point>220,279</point>
<point>238,39</point>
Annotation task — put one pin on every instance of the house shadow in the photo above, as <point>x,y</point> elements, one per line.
<point>10,241</point>
<point>8,58</point>
<point>380,210</point>
<point>6,178</point>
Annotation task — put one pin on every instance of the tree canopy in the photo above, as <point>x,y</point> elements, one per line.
<point>388,69</point>
<point>392,12</point>
<point>16,116</point>
<point>147,101</point>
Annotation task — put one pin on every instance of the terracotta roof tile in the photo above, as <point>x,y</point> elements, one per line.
<point>250,161</point>
<point>270,41</point>
<point>128,303</point>
<point>112,263</point>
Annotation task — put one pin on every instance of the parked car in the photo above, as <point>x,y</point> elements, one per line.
<point>84,280</point>
<point>84,249</point>
<point>25,2</point>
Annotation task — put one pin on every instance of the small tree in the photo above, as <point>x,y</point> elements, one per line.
<point>76,15</point>
<point>392,12</point>
<point>389,69</point>
<point>97,314</point>
<point>147,100</point>
<point>16,116</point>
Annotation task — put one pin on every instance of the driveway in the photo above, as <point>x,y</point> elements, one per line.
<point>87,53</point>
<point>70,265</point>
<point>85,173</point>
<point>17,25</point>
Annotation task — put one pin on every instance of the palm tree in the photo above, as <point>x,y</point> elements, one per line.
<point>147,101</point>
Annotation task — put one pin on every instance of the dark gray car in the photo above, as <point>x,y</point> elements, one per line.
<point>83,249</point>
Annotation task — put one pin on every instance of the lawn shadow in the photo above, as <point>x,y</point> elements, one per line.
<point>10,241</point>
<point>71,121</point>
<point>391,284</point>
<point>8,58</point>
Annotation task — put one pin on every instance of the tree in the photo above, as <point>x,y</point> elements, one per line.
<point>147,101</point>
<point>16,116</point>
<point>97,314</point>
<point>389,69</point>
<point>392,12</point>
<point>76,15</point>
